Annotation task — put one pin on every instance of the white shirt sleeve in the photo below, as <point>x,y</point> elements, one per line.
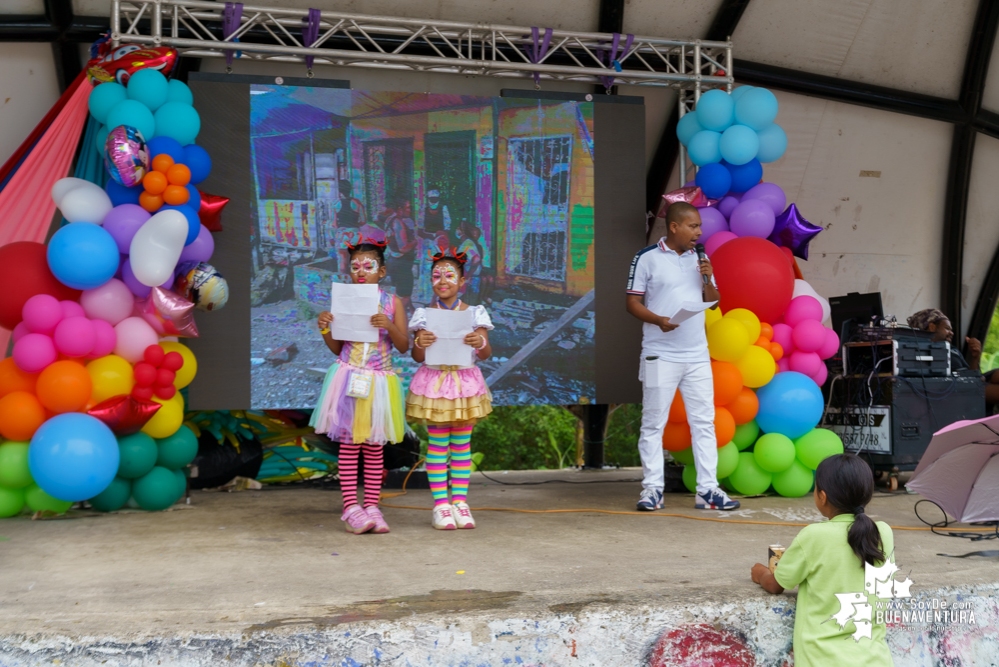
<point>638,276</point>
<point>419,320</point>
<point>480,318</point>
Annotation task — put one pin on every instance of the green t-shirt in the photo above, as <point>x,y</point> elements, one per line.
<point>821,564</point>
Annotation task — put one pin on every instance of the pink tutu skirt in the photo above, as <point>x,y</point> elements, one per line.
<point>448,395</point>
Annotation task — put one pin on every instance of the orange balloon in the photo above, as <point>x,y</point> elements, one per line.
<point>762,342</point>
<point>65,386</point>
<point>676,437</point>
<point>175,195</point>
<point>766,331</point>
<point>727,380</point>
<point>151,203</point>
<point>154,183</point>
<point>20,415</point>
<point>179,174</point>
<point>777,351</point>
<point>677,411</point>
<point>13,378</point>
<point>724,426</point>
<point>162,163</point>
<point>745,406</point>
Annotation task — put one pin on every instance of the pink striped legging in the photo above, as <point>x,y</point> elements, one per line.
<point>374,467</point>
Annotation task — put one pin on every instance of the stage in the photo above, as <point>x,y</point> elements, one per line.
<point>270,577</point>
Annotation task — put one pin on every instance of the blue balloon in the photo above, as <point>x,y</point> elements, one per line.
<point>198,161</point>
<point>166,145</point>
<point>739,144</point>
<point>687,127</point>
<point>119,194</point>
<point>745,176</point>
<point>179,121</point>
<point>737,93</point>
<point>704,148</point>
<point>715,110</point>
<point>195,200</point>
<point>790,404</point>
<point>773,143</point>
<point>100,139</point>
<point>82,255</point>
<point>105,97</point>
<point>73,456</point>
<point>193,221</point>
<point>150,87</point>
<point>179,92</point>
<point>134,114</point>
<point>714,180</point>
<point>757,108</point>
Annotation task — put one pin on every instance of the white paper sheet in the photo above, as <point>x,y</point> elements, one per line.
<point>450,327</point>
<point>353,307</point>
<point>689,309</point>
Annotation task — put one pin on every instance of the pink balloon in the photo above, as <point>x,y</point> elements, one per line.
<point>134,336</point>
<point>770,193</point>
<point>712,222</point>
<point>728,204</point>
<point>806,363</point>
<point>71,309</point>
<point>809,336</point>
<point>830,346</point>
<point>75,337</point>
<point>782,335</point>
<point>821,376</point>
<point>803,308</point>
<point>41,313</point>
<point>34,352</point>
<point>19,332</point>
<point>782,365</point>
<point>717,240</point>
<point>111,302</point>
<point>105,339</point>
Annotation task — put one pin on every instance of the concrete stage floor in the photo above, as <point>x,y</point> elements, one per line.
<point>271,577</point>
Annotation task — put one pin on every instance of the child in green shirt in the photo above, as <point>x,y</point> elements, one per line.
<point>834,565</point>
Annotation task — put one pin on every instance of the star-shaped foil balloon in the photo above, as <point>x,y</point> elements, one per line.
<point>167,313</point>
<point>210,212</point>
<point>124,415</point>
<point>692,195</point>
<point>794,232</point>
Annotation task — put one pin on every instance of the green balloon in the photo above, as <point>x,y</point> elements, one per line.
<point>39,501</point>
<point>181,479</point>
<point>816,446</point>
<point>749,479</point>
<point>11,502</point>
<point>728,460</point>
<point>14,473</point>
<point>684,456</point>
<point>746,434</point>
<point>178,450</point>
<point>774,452</point>
<point>114,497</point>
<point>690,478</point>
<point>156,490</point>
<point>138,455</point>
<point>794,482</point>
<point>727,485</point>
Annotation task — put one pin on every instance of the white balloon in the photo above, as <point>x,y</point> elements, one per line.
<point>801,287</point>
<point>86,203</point>
<point>63,186</point>
<point>156,247</point>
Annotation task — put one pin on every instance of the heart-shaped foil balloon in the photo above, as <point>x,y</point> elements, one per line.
<point>167,313</point>
<point>123,414</point>
<point>121,63</point>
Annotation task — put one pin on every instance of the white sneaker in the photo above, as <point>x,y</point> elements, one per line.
<point>443,517</point>
<point>463,515</point>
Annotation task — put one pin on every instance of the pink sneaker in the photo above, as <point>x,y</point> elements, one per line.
<point>375,515</point>
<point>356,520</point>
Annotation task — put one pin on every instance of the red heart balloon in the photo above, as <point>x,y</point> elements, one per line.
<point>124,414</point>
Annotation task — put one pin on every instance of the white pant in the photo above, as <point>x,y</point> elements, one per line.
<point>697,388</point>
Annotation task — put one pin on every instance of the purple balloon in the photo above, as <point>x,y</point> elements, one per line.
<point>728,204</point>
<point>794,232</point>
<point>712,222</point>
<point>137,288</point>
<point>771,193</point>
<point>200,249</point>
<point>753,218</point>
<point>123,222</point>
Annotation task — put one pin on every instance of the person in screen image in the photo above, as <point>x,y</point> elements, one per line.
<point>467,236</point>
<point>348,218</point>
<point>830,558</point>
<point>450,399</point>
<point>662,278</point>
<point>436,216</point>
<point>361,405</point>
<point>401,251</point>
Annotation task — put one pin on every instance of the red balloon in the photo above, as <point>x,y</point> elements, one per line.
<point>145,374</point>
<point>165,378</point>
<point>24,272</point>
<point>124,414</point>
<point>154,355</point>
<point>142,393</point>
<point>165,393</point>
<point>753,273</point>
<point>173,361</point>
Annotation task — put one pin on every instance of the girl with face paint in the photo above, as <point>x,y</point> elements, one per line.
<point>361,405</point>
<point>450,399</point>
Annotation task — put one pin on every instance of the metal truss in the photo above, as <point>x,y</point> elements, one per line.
<point>195,28</point>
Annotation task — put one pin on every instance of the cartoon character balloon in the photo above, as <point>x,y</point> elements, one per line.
<point>120,64</point>
<point>126,155</point>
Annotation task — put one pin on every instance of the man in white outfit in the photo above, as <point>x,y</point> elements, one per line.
<point>663,277</point>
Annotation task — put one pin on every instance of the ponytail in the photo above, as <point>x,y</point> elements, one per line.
<point>849,485</point>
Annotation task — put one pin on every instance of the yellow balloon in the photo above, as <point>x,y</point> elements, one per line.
<point>711,316</point>
<point>167,420</point>
<point>111,376</point>
<point>757,366</point>
<point>748,318</point>
<point>190,368</point>
<point>728,339</point>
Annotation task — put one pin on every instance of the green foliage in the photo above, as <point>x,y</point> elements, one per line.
<point>990,346</point>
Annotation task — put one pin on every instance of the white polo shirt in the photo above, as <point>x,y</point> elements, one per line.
<point>667,280</point>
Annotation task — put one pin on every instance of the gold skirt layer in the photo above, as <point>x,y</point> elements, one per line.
<point>448,410</point>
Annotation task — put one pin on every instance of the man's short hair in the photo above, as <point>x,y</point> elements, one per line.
<point>678,212</point>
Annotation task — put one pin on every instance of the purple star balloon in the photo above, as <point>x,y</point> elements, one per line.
<point>793,231</point>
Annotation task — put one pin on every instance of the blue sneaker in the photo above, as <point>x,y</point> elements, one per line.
<point>651,500</point>
<point>715,499</point>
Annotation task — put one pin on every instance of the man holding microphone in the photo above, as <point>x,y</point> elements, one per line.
<point>663,277</point>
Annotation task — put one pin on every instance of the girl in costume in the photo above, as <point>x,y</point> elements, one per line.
<point>450,399</point>
<point>361,405</point>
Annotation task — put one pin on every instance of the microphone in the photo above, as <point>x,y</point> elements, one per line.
<point>701,257</point>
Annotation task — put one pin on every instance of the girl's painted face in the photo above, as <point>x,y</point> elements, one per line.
<point>366,269</point>
<point>446,280</point>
